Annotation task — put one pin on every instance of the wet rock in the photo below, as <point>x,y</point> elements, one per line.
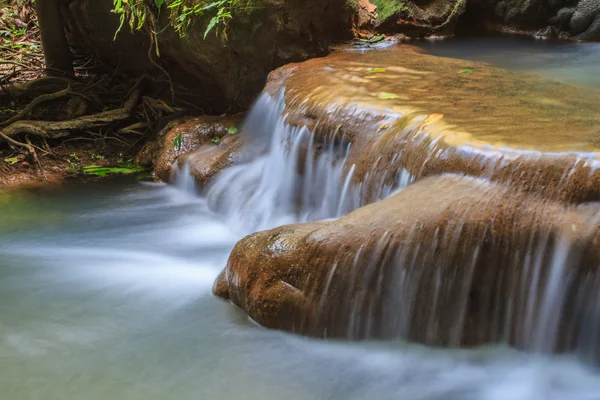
<point>181,137</point>
<point>222,72</point>
<point>207,161</point>
<point>366,16</point>
<point>592,33</point>
<point>406,112</point>
<point>418,18</point>
<point>429,264</point>
<point>562,18</point>
<point>585,13</point>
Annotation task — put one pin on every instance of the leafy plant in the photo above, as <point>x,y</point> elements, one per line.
<point>375,71</point>
<point>387,96</point>
<point>104,171</point>
<point>178,142</point>
<point>233,130</point>
<point>182,13</point>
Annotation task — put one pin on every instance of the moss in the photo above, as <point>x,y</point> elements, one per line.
<point>387,8</point>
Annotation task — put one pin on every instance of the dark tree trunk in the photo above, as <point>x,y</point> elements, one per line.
<point>54,42</point>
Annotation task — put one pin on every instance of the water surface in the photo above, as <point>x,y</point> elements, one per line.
<point>575,63</point>
<point>109,297</point>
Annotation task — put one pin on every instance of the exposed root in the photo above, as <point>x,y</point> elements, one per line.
<point>56,129</point>
<point>38,100</point>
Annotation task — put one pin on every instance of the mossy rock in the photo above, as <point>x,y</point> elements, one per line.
<point>419,18</point>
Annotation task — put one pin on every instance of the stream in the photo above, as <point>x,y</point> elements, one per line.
<point>105,293</point>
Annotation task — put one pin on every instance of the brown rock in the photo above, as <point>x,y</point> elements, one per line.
<point>429,264</point>
<point>432,115</point>
<point>193,133</point>
<point>206,162</point>
<point>219,73</point>
<point>419,18</point>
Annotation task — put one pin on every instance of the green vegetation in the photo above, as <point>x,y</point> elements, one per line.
<point>387,96</point>
<point>101,171</point>
<point>233,130</point>
<point>182,13</point>
<point>178,142</point>
<point>375,71</point>
<point>386,8</point>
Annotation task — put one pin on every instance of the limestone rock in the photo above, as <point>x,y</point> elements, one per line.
<point>585,13</point>
<point>181,137</point>
<point>417,18</point>
<point>425,115</point>
<point>207,161</point>
<point>428,264</point>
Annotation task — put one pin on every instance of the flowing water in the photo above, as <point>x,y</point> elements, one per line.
<point>105,292</point>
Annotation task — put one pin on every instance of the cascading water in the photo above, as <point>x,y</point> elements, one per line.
<point>290,177</point>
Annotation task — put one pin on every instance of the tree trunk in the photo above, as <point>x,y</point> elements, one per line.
<point>54,41</point>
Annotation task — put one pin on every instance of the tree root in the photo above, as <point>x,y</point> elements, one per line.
<point>56,129</point>
<point>38,100</point>
<point>46,84</point>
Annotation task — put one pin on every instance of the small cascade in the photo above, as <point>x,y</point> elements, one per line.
<point>456,286</point>
<point>290,177</point>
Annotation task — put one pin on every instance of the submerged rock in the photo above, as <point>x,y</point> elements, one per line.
<point>181,137</point>
<point>430,264</point>
<point>408,112</point>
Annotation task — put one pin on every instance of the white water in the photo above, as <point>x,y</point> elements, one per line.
<point>108,297</point>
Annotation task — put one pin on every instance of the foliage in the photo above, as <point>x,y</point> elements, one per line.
<point>375,71</point>
<point>387,96</point>
<point>386,8</point>
<point>233,130</point>
<point>104,171</point>
<point>467,70</point>
<point>178,142</point>
<point>374,39</point>
<point>20,55</point>
<point>182,13</point>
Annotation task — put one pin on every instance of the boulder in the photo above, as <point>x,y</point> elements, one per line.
<point>409,112</point>
<point>592,33</point>
<point>419,18</point>
<point>207,161</point>
<point>585,13</point>
<point>181,137</point>
<point>219,73</point>
<point>429,264</point>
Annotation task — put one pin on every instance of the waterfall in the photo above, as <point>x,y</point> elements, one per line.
<point>290,175</point>
<point>288,178</point>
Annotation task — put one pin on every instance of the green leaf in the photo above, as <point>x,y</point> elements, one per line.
<point>215,4</point>
<point>104,171</point>
<point>465,71</point>
<point>375,70</point>
<point>233,130</point>
<point>387,96</point>
<point>178,142</point>
<point>11,160</point>
<point>214,21</point>
<point>216,140</point>
<point>376,39</point>
<point>159,3</point>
